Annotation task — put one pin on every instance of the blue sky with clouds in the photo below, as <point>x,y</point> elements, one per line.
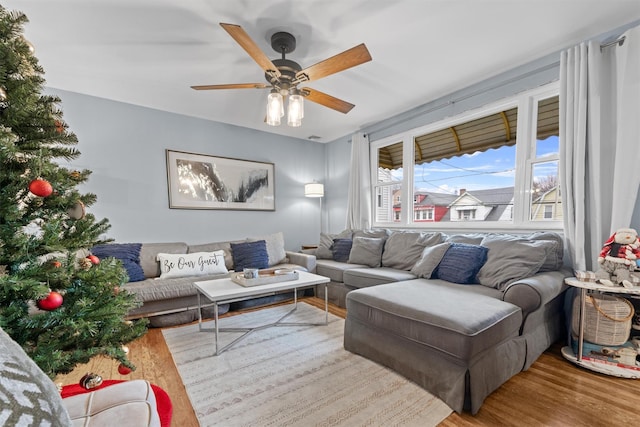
<point>493,168</point>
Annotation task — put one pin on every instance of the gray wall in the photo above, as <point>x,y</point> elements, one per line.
<point>124,145</point>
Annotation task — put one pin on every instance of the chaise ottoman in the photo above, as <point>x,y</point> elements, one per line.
<point>457,343</point>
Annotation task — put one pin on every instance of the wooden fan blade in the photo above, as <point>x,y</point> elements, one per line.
<point>232,86</point>
<point>349,58</point>
<point>243,39</point>
<point>326,100</point>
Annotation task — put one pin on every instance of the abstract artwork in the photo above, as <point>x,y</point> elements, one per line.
<point>200,181</point>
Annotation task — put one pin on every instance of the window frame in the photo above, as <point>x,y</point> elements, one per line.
<point>525,159</point>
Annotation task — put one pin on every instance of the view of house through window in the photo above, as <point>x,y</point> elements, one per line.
<point>389,183</point>
<point>470,172</point>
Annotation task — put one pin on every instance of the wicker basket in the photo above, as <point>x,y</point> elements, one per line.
<point>607,319</point>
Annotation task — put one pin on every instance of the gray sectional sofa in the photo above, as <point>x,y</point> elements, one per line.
<point>459,314</point>
<point>173,300</point>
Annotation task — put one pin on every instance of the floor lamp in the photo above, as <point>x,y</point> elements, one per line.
<point>315,189</point>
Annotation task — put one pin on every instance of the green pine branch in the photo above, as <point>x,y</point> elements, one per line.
<point>42,245</point>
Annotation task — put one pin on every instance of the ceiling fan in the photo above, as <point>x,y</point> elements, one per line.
<point>284,75</point>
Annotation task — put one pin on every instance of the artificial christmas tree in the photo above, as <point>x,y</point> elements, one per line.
<point>44,242</point>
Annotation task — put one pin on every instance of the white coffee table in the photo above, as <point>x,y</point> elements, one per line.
<point>225,291</point>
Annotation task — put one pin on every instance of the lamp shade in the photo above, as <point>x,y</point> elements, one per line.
<point>314,190</point>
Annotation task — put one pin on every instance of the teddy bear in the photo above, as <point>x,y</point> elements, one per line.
<point>618,258</point>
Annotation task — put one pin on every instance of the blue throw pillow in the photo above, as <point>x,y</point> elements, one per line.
<point>341,249</point>
<point>250,255</point>
<point>128,253</point>
<point>461,263</point>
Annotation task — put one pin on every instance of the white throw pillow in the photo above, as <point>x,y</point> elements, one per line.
<point>194,264</point>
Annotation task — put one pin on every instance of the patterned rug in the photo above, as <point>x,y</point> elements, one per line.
<point>293,376</point>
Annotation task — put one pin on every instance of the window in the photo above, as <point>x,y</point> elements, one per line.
<point>466,214</point>
<point>545,190</point>
<point>548,212</point>
<point>388,183</point>
<point>496,167</point>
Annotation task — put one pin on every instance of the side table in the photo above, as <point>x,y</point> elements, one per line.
<point>597,366</point>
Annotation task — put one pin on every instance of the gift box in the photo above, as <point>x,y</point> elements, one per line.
<point>586,276</point>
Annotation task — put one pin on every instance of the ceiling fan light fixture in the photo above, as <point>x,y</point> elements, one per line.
<point>295,110</point>
<point>275,108</point>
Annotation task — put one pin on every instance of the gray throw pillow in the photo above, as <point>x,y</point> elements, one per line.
<point>366,251</point>
<point>404,248</point>
<point>553,261</point>
<point>511,259</point>
<point>431,257</point>
<point>29,396</point>
<point>325,245</point>
<point>469,239</point>
<point>373,232</point>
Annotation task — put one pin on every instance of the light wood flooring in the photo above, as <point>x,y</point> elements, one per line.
<point>553,392</point>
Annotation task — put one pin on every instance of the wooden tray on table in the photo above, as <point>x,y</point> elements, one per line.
<point>271,275</point>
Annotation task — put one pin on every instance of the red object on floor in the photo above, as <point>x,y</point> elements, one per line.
<point>163,401</point>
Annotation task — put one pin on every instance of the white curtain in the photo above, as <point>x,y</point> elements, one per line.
<point>600,149</point>
<point>359,195</point>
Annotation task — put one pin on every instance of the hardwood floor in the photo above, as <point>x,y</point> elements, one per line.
<point>553,392</point>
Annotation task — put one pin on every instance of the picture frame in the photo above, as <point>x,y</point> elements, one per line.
<point>202,181</point>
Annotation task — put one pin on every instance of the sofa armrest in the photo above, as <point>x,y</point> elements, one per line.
<point>305,260</point>
<point>534,292</point>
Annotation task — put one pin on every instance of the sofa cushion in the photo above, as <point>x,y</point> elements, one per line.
<point>326,243</point>
<point>127,253</point>
<point>250,255</point>
<point>194,264</point>
<point>510,259</point>
<point>367,251</point>
<point>437,314</point>
<point>29,397</point>
<point>431,257</point>
<point>163,289</point>
<point>275,247</point>
<point>217,246</point>
<point>363,277</point>
<point>341,249</point>
<point>404,248</point>
<point>334,270</point>
<point>461,263</point>
<point>149,255</point>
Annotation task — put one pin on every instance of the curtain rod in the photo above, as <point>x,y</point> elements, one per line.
<point>619,41</point>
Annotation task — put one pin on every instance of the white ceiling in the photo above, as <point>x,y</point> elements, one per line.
<point>149,52</point>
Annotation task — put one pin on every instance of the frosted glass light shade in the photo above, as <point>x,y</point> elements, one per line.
<point>295,110</point>
<point>275,108</point>
<point>314,190</point>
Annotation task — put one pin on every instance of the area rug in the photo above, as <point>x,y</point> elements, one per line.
<point>293,376</point>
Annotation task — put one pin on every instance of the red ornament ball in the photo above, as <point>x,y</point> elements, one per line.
<point>51,302</point>
<point>94,259</point>
<point>40,187</point>
<point>123,370</point>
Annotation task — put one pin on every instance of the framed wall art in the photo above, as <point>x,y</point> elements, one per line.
<point>200,181</point>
